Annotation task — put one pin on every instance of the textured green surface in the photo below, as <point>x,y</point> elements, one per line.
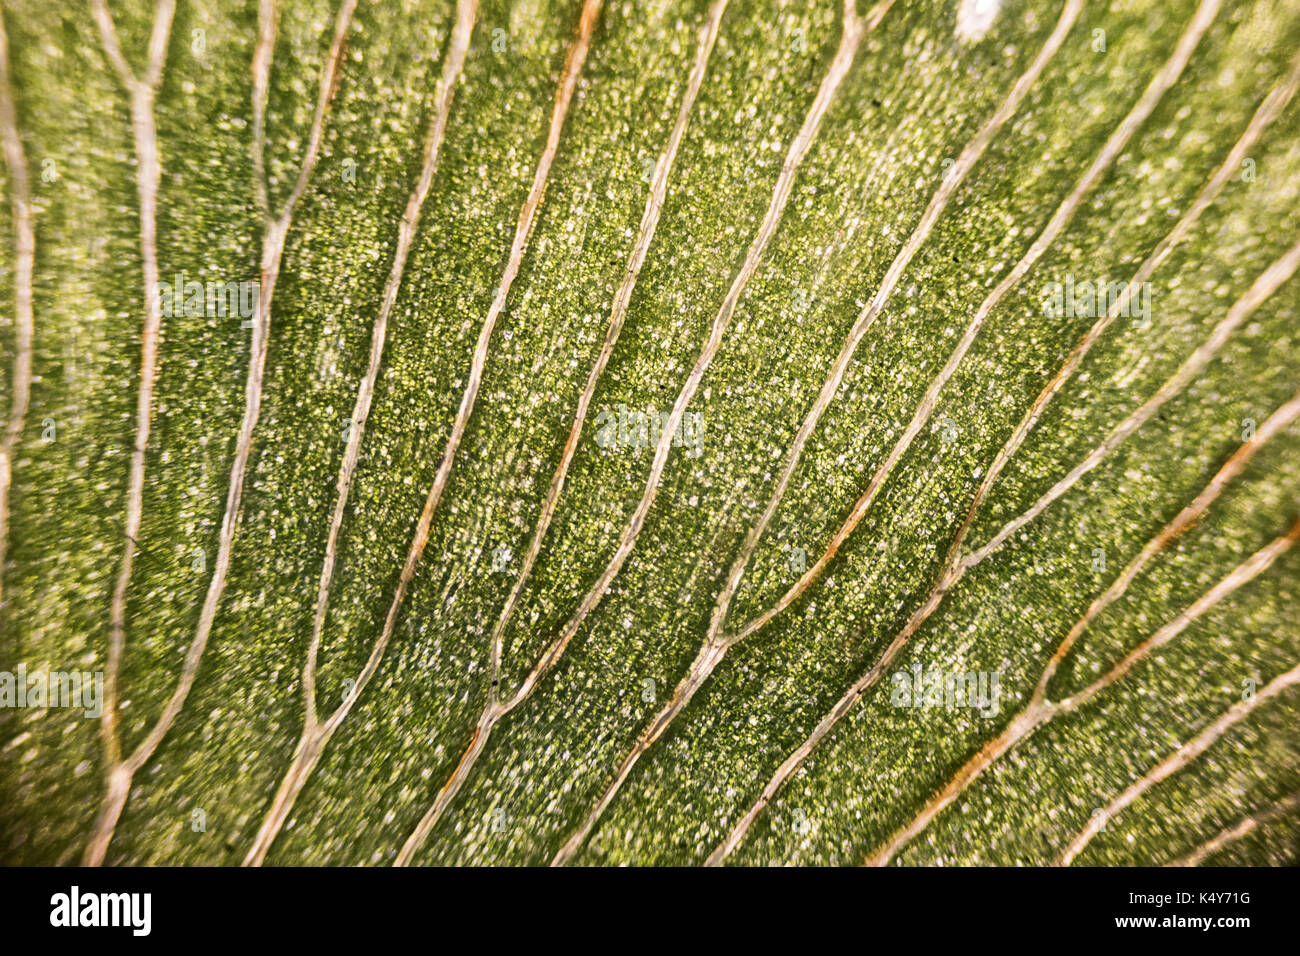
<point>914,97</point>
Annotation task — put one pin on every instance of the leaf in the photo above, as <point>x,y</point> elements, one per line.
<point>650,433</point>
